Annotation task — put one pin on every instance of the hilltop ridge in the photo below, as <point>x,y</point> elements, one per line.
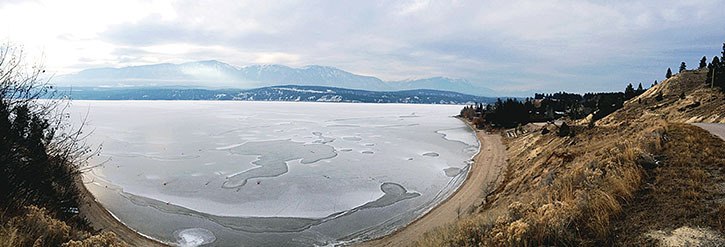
<point>639,176</point>
<point>701,102</point>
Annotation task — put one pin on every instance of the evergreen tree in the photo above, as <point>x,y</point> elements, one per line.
<point>629,92</point>
<point>640,90</point>
<point>683,67</point>
<point>669,73</point>
<point>719,73</point>
<point>703,62</point>
<point>716,74</point>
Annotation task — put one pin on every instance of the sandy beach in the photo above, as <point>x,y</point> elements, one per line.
<point>100,219</point>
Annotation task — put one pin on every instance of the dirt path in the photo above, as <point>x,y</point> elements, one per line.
<point>100,219</point>
<point>483,175</point>
<point>714,128</point>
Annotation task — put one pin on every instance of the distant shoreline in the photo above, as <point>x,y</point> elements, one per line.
<point>288,93</point>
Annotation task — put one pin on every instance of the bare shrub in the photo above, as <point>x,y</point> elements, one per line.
<point>40,152</point>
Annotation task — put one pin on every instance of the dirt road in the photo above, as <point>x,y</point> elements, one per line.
<point>100,219</point>
<point>714,128</point>
<point>489,163</point>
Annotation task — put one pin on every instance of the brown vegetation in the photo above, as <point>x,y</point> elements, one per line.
<point>702,103</point>
<point>37,228</point>
<point>559,190</point>
<point>636,170</point>
<point>688,189</point>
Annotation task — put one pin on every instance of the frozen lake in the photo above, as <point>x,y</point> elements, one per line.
<point>272,173</point>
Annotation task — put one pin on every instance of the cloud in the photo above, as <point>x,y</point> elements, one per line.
<point>276,58</point>
<point>506,45</point>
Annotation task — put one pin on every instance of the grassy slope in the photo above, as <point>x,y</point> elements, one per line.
<point>711,107</point>
<point>596,188</point>
<point>686,190</point>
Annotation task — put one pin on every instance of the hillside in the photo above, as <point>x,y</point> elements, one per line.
<point>214,74</point>
<point>639,177</point>
<point>277,93</point>
<point>701,103</point>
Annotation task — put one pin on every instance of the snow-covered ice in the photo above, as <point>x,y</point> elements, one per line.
<point>272,173</point>
<point>194,237</point>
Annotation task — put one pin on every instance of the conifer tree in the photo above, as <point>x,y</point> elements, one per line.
<point>703,62</point>
<point>669,73</point>
<point>683,67</point>
<point>716,74</point>
<point>708,79</point>
<point>640,90</point>
<point>629,91</point>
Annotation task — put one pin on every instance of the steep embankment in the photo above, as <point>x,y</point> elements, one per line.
<point>640,176</point>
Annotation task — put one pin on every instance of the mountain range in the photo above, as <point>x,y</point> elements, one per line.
<point>274,93</point>
<point>213,74</point>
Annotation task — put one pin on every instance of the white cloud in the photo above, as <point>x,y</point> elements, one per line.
<point>413,6</point>
<point>276,58</point>
<point>522,44</point>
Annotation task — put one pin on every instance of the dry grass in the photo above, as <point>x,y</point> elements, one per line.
<point>36,227</point>
<point>701,103</point>
<point>633,172</point>
<point>559,191</point>
<point>688,189</point>
<point>108,239</point>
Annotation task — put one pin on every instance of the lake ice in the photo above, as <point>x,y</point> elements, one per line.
<point>272,173</point>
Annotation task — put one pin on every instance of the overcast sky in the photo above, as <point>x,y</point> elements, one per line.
<point>504,45</point>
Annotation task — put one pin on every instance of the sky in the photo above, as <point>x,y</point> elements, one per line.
<point>509,46</point>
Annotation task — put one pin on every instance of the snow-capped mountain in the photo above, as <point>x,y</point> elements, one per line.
<point>276,93</point>
<point>213,74</point>
<point>310,75</point>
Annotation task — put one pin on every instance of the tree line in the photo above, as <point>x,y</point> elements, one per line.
<point>715,70</point>
<point>511,112</point>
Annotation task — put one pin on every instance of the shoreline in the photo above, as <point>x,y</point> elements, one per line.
<point>487,166</point>
<point>485,172</point>
<point>101,220</point>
